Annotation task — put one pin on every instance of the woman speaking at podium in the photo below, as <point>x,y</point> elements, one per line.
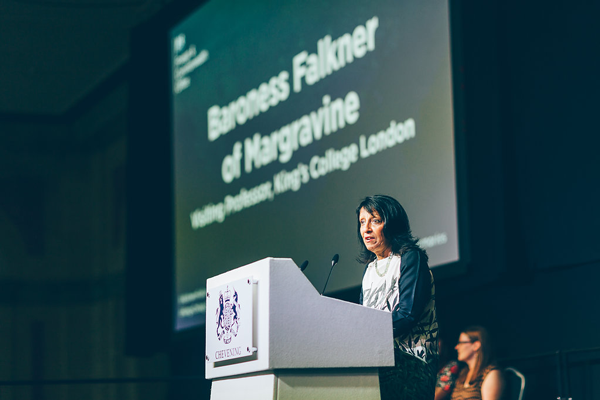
<point>397,279</point>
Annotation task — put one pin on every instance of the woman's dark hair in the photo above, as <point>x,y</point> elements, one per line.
<point>396,228</point>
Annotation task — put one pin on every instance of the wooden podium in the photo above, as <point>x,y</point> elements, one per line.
<point>271,335</point>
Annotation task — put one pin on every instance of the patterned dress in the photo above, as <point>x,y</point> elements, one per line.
<point>473,391</point>
<point>446,378</point>
<point>404,286</point>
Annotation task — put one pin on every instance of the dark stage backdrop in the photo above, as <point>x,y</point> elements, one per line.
<point>285,115</point>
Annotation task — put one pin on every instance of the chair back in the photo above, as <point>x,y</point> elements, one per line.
<point>514,387</point>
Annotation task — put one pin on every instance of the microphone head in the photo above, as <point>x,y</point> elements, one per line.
<point>304,265</point>
<point>335,259</point>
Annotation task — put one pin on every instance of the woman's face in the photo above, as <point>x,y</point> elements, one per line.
<point>371,231</point>
<point>466,348</point>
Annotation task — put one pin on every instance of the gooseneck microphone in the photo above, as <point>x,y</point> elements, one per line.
<point>334,261</point>
<point>304,265</point>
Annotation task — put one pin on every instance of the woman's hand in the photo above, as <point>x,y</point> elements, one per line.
<point>441,394</point>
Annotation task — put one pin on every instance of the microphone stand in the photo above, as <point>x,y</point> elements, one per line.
<point>334,261</point>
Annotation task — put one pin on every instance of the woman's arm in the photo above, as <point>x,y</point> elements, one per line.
<point>414,291</point>
<point>360,299</point>
<point>492,386</point>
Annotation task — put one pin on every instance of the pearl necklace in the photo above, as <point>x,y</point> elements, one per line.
<point>387,266</point>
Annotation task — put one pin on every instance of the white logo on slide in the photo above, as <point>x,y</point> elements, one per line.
<point>185,61</point>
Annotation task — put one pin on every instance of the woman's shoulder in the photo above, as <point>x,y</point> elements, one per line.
<point>491,367</point>
<point>413,256</point>
<point>412,252</point>
<point>488,369</point>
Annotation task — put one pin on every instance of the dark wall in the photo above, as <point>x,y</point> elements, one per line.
<point>531,143</point>
<point>530,99</point>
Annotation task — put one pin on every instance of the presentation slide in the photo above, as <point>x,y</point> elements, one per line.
<point>285,115</point>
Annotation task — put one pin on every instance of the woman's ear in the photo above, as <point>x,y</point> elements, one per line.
<point>476,345</point>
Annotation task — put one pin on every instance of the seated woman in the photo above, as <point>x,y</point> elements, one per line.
<point>481,379</point>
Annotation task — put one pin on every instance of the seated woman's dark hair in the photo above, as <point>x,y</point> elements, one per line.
<point>396,227</point>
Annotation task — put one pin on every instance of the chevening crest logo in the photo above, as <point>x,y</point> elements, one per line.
<point>228,315</point>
